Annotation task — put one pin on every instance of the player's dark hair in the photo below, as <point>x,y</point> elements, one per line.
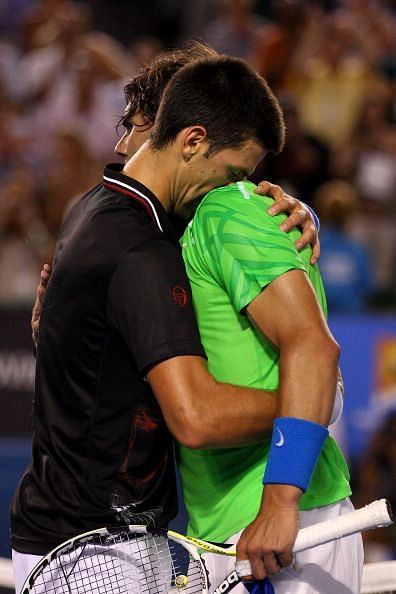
<point>143,93</point>
<point>227,97</point>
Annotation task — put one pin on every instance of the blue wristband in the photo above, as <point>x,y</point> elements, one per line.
<point>315,217</point>
<point>295,449</point>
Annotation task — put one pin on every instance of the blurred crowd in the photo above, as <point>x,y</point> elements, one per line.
<point>374,477</point>
<point>63,66</point>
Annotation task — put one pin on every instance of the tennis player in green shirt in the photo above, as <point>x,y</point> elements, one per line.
<point>261,312</point>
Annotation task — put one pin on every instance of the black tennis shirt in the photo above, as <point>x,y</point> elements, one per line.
<point>118,302</point>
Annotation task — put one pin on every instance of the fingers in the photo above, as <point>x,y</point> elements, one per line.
<point>299,216</point>
<point>262,564</point>
<point>254,561</point>
<point>44,275</point>
<point>44,278</point>
<point>285,559</point>
<point>265,188</point>
<point>36,312</point>
<point>265,565</point>
<point>315,252</point>
<point>270,563</point>
<point>309,236</point>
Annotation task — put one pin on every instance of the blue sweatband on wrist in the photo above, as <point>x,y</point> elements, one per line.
<point>315,217</point>
<point>295,449</point>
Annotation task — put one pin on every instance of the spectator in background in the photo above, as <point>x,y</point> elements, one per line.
<point>86,95</point>
<point>274,48</point>
<point>345,265</point>
<point>23,238</point>
<point>70,155</point>
<point>195,14</point>
<point>46,37</point>
<point>235,30</point>
<point>368,160</point>
<point>303,165</point>
<point>331,76</point>
<point>61,71</point>
<point>368,156</point>
<point>376,479</point>
<point>143,51</point>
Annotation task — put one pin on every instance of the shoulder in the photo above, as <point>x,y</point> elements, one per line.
<point>236,204</point>
<point>239,196</point>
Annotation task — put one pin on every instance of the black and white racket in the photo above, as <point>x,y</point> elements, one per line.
<point>138,560</point>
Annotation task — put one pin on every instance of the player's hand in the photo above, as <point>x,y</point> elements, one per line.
<point>299,216</point>
<point>38,304</point>
<point>268,541</point>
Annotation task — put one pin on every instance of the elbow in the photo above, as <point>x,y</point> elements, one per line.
<point>192,438</point>
<point>334,351</point>
<point>190,431</point>
<point>326,354</point>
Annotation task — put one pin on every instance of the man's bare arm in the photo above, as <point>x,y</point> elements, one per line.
<point>308,376</point>
<point>203,413</point>
<point>307,380</point>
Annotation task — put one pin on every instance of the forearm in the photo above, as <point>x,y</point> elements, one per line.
<point>232,416</point>
<point>307,385</point>
<point>203,413</point>
<point>288,314</point>
<point>306,399</point>
<point>308,379</point>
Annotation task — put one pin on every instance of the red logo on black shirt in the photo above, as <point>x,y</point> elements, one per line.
<point>180,296</point>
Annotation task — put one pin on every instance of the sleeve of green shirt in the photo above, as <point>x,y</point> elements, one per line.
<point>239,244</point>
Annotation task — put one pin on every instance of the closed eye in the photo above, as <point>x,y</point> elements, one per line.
<point>127,125</point>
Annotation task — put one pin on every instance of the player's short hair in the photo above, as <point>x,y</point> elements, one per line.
<point>227,97</point>
<point>144,91</point>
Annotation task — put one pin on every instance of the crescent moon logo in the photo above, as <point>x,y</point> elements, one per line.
<point>281,439</point>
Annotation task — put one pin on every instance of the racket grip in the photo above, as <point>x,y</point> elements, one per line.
<point>374,515</point>
<point>244,569</point>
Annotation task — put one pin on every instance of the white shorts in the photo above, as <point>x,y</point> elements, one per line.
<point>22,565</point>
<point>332,568</point>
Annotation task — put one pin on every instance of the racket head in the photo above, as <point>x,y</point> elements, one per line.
<point>120,560</point>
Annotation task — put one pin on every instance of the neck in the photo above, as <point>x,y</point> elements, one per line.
<point>151,169</point>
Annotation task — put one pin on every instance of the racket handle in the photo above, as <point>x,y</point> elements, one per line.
<point>374,515</point>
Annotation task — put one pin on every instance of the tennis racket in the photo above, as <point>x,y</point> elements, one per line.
<point>136,559</point>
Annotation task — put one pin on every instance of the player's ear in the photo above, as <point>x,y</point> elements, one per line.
<point>194,140</point>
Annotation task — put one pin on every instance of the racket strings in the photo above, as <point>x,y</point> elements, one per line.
<point>122,563</point>
<point>63,569</point>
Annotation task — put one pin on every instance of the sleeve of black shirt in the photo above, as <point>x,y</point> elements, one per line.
<point>150,304</point>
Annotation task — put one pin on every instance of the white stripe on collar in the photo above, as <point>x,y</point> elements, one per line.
<point>132,189</point>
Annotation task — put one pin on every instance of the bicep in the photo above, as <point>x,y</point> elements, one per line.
<point>287,309</point>
<point>289,315</point>
<point>177,382</point>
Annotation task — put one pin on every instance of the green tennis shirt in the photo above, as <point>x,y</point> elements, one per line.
<point>232,250</point>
